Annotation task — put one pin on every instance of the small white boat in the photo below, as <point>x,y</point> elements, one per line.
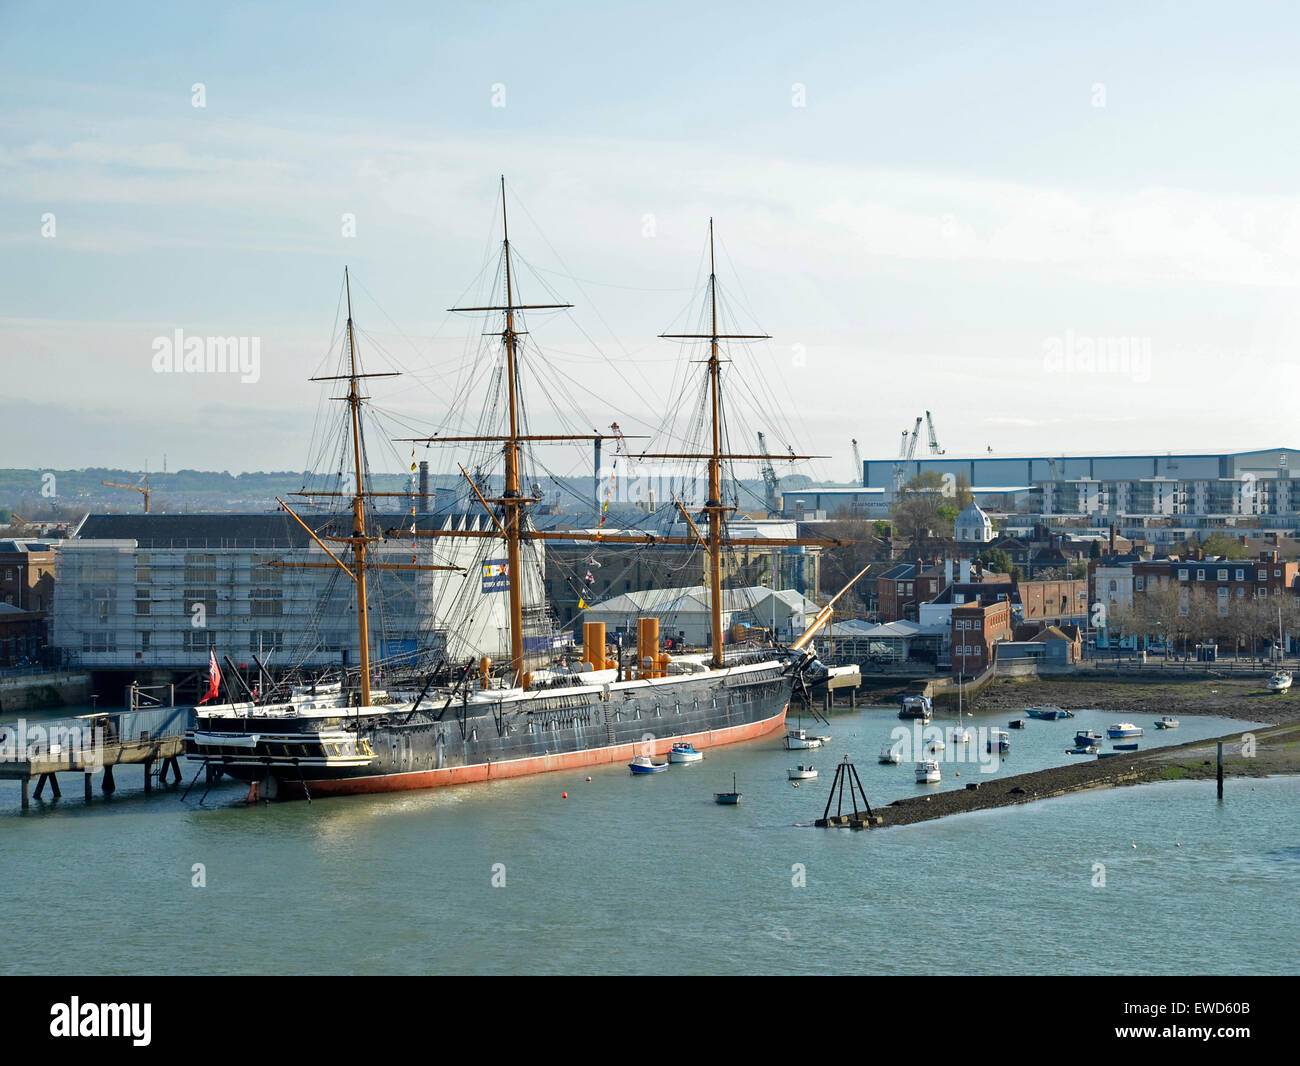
<point>891,754</point>
<point>1123,729</point>
<point>1167,722</point>
<point>928,773</point>
<point>798,739</point>
<point>935,745</point>
<point>801,773</point>
<point>643,764</point>
<point>1280,681</point>
<point>684,751</point>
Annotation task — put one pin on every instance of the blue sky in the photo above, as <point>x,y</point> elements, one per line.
<point>967,188</point>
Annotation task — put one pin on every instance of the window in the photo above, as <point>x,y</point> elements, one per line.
<point>1200,575</point>
<point>200,569</point>
<point>1114,585</point>
<point>1241,575</point>
<point>1277,573</point>
<point>1182,575</point>
<point>141,602</point>
<point>198,640</point>
<point>1137,583</point>
<point>1240,592</point>
<point>265,603</point>
<point>263,642</point>
<point>1223,575</point>
<point>144,641</point>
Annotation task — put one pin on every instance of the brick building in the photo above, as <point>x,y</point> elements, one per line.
<point>976,628</point>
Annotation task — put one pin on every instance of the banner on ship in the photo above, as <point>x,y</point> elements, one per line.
<point>496,576</point>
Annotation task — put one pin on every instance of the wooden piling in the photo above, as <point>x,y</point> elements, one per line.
<point>89,778</point>
<point>109,785</point>
<point>1219,773</point>
<point>26,785</point>
<point>40,785</point>
<point>148,775</point>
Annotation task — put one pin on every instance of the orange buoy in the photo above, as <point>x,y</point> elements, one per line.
<point>564,795</point>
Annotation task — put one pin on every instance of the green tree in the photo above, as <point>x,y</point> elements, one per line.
<point>995,560</point>
<point>924,508</point>
<point>1218,544</point>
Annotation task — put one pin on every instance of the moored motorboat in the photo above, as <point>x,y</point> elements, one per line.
<point>998,741</point>
<point>928,773</point>
<point>1167,722</point>
<point>1084,737</point>
<point>1123,729</point>
<point>917,707</point>
<point>643,764</point>
<point>801,773</point>
<point>798,739</point>
<point>1125,747</point>
<point>684,751</point>
<point>890,754</point>
<point>1016,723</point>
<point>1049,714</point>
<point>1083,749</point>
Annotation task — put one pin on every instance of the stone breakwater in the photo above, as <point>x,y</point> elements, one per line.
<point>1275,750</point>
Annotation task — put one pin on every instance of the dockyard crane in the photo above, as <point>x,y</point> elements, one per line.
<point>898,468</point>
<point>911,443</point>
<point>143,488</point>
<point>906,449</point>
<point>857,465</point>
<point>771,483</point>
<point>934,441</point>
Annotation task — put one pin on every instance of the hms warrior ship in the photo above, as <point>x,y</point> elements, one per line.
<point>523,716</point>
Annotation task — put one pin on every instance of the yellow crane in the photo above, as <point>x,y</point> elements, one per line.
<point>134,488</point>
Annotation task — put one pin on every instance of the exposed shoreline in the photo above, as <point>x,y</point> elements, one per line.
<point>1276,748</point>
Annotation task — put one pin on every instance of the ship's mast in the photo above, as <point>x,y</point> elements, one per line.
<point>359,539</point>
<point>512,497</point>
<point>512,501</point>
<point>714,507</point>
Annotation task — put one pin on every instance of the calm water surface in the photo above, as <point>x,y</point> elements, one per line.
<point>649,875</point>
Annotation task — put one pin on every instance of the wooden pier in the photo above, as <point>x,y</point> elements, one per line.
<point>154,739</point>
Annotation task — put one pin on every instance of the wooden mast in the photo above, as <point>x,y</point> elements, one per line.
<point>358,538</point>
<point>714,507</point>
<point>513,502</point>
<point>512,496</point>
<point>714,504</point>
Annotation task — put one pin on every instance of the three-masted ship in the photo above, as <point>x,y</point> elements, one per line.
<point>522,716</point>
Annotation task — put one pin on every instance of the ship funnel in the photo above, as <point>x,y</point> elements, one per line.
<point>647,646</point>
<point>593,645</point>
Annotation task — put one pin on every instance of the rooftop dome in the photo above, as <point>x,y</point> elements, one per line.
<point>973,526</point>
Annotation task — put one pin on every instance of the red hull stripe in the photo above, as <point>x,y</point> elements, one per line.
<point>538,764</point>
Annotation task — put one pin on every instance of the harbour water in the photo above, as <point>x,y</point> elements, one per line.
<point>633,875</point>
